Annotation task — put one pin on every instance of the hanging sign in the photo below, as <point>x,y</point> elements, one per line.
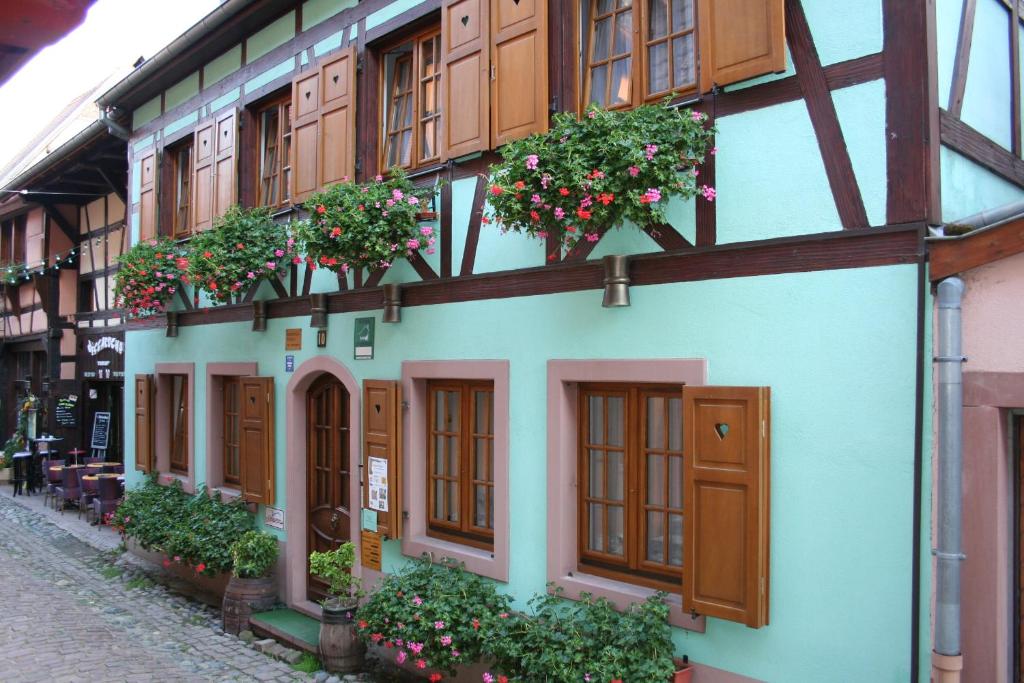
<point>364,339</point>
<point>100,430</point>
<point>378,484</point>
<point>65,413</point>
<point>293,339</point>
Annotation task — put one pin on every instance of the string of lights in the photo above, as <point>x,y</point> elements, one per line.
<point>12,273</point>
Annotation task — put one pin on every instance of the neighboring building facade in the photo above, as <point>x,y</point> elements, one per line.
<point>61,231</point>
<point>806,276</point>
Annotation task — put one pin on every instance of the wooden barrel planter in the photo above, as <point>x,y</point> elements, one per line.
<point>245,596</point>
<point>340,649</point>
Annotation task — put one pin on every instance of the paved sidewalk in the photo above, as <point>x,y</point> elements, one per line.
<point>72,612</point>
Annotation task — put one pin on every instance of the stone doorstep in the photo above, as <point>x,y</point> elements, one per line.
<point>266,630</point>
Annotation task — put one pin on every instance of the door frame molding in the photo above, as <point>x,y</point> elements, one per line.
<point>294,584</point>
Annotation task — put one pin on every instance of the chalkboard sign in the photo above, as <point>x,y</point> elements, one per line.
<point>65,412</point>
<point>100,430</point>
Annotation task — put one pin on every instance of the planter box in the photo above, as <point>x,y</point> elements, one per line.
<point>208,589</point>
<point>466,673</point>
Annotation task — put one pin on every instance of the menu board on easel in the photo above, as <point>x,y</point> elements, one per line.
<point>65,412</point>
<point>100,430</point>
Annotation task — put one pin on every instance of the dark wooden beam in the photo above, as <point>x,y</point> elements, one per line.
<point>278,287</point>
<point>421,267</point>
<point>962,59</point>
<point>117,188</point>
<point>707,212</point>
<point>668,238</point>
<point>858,248</point>
<point>473,230</point>
<point>183,297</point>
<point>374,278</point>
<point>57,217</point>
<point>1015,78</point>
<point>445,226</point>
<point>822,110</point>
<point>951,256</point>
<point>965,140</point>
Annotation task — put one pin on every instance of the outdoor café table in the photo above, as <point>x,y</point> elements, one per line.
<point>22,468</point>
<point>105,466</point>
<point>36,469</point>
<point>75,453</point>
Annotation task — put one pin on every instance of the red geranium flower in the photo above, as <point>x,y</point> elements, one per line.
<point>321,208</point>
<point>496,190</point>
<point>564,191</point>
<point>519,185</point>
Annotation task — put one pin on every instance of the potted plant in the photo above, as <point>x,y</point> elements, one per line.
<point>340,650</point>
<point>251,588</point>
<point>150,274</point>
<point>12,446</point>
<point>684,670</point>
<point>587,175</point>
<point>366,225</point>
<point>244,248</point>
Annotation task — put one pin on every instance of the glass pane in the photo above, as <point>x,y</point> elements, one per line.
<point>616,529</point>
<point>655,480</point>
<point>616,420</point>
<point>428,139</point>
<point>406,147</point>
<point>625,3</point>
<point>682,15</point>
<point>453,501</point>
<point>616,475</point>
<point>657,67</point>
<point>675,482</point>
<point>604,6</point>
<point>483,412</point>
<point>439,455</point>
<point>596,474</point>
<point>596,416</point>
<point>438,411</point>
<point>480,507</point>
<point>427,59</point>
<point>682,60</point>
<point>598,83</point>
<point>675,424</point>
<point>481,472</point>
<point>596,527</point>
<point>675,540</point>
<point>657,25</point>
<point>623,33</point>
<point>620,81</point>
<point>452,412</point>
<point>602,33</point>
<point>655,422</point>
<point>439,499</point>
<point>655,537</point>
<point>406,111</point>
<point>453,456</point>
<point>428,98</point>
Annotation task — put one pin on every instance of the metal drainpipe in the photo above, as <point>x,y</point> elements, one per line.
<point>115,128</point>
<point>947,660</point>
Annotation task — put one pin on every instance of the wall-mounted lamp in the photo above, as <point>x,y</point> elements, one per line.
<point>318,317</point>
<point>616,281</point>
<point>172,323</point>
<point>259,316</point>
<point>392,303</point>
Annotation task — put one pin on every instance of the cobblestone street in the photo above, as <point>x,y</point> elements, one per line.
<point>71,612</point>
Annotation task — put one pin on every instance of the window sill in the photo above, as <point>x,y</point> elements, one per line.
<point>622,594</point>
<point>227,493</point>
<point>477,560</point>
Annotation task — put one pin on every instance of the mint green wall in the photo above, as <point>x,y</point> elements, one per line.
<point>837,349</point>
<point>266,39</point>
<point>987,96</point>
<point>223,66</point>
<point>181,91</point>
<point>146,112</point>
<point>316,11</point>
<point>968,188</point>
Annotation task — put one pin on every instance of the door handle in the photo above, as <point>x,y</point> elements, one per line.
<point>334,521</point>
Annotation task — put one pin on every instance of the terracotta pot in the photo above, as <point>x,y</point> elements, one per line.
<point>242,597</point>
<point>340,649</point>
<point>684,675</point>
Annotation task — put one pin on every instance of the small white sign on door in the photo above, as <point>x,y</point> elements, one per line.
<point>273,517</point>
<point>378,485</point>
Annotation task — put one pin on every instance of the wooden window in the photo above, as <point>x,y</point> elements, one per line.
<point>147,196</point>
<point>144,422</point>
<point>232,431</point>
<point>214,169</point>
<point>460,462</point>
<point>275,139</point>
<point>178,385</point>
<point>382,441</point>
<point>639,51</point>
<point>256,439</point>
<point>411,78</point>
<point>179,194</point>
<point>630,469</point>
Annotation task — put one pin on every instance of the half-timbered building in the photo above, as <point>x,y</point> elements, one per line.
<point>521,427</point>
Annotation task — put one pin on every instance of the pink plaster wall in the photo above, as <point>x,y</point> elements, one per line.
<point>992,316</point>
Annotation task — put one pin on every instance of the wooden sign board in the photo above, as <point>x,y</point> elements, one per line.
<point>371,550</point>
<point>293,339</point>
<point>100,430</point>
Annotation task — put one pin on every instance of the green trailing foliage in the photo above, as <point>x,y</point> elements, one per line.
<point>198,530</point>
<point>253,554</point>
<point>335,567</point>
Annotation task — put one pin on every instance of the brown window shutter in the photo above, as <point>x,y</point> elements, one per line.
<point>465,78</point>
<point>144,422</point>
<point>336,145</point>
<point>519,48</point>
<point>225,169</point>
<point>305,134</point>
<point>202,177</point>
<point>256,442</point>
<point>382,438</point>
<point>725,500</point>
<point>147,196</point>
<point>740,39</point>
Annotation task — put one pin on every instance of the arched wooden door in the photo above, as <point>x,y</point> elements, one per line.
<point>327,471</point>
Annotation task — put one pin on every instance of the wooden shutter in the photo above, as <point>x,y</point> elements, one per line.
<point>725,502</point>
<point>202,176</point>
<point>519,49</point>
<point>337,151</point>
<point>225,172</point>
<point>256,441</point>
<point>144,422</point>
<point>147,196</point>
<point>382,438</point>
<point>323,125</point>
<point>465,101</point>
<point>740,39</point>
